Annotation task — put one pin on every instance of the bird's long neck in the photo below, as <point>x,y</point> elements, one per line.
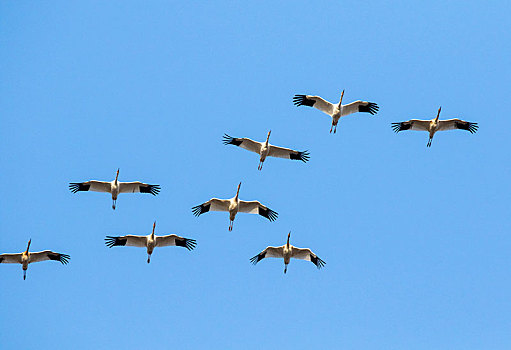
<point>268,138</point>
<point>237,192</point>
<point>288,236</point>
<point>340,101</point>
<point>28,246</point>
<point>116,177</point>
<point>152,234</point>
<point>438,115</point>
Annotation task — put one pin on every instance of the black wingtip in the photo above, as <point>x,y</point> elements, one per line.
<point>64,259</point>
<point>190,244</point>
<point>302,100</point>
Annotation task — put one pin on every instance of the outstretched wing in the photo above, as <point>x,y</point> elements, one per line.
<point>10,258</point>
<point>49,255</point>
<point>360,106</point>
<point>175,240</point>
<point>128,240</point>
<point>255,207</point>
<point>412,124</point>
<point>214,204</point>
<point>96,186</point>
<point>134,187</point>
<point>308,255</point>
<point>314,101</point>
<point>451,124</point>
<point>269,252</point>
<point>288,153</point>
<point>248,144</point>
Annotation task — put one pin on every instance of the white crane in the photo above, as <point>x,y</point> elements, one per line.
<point>287,251</point>
<point>233,206</point>
<point>114,187</point>
<point>336,111</point>
<point>434,125</point>
<point>26,258</point>
<point>150,242</point>
<point>264,149</point>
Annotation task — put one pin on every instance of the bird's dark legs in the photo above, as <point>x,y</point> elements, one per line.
<point>24,274</point>
<point>331,127</point>
<point>429,142</point>
<point>114,202</point>
<point>335,129</point>
<point>148,258</point>
<point>285,268</point>
<point>260,165</point>
<point>230,225</point>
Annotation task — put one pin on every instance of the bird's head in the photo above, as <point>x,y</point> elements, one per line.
<point>268,136</point>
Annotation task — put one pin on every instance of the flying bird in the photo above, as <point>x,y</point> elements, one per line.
<point>26,258</point>
<point>114,187</point>
<point>434,125</point>
<point>233,206</point>
<point>150,242</point>
<point>287,251</point>
<point>264,149</point>
<point>336,111</point>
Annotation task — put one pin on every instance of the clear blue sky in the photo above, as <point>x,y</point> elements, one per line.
<point>417,241</point>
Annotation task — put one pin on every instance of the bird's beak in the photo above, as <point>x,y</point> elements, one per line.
<point>269,132</point>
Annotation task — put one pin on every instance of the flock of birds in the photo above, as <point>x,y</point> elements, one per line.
<point>234,205</point>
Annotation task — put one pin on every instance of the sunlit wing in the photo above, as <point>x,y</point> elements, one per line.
<point>93,185</point>
<point>213,204</point>
<point>314,101</point>
<point>245,143</point>
<point>451,124</point>
<point>269,252</point>
<point>49,255</point>
<point>175,240</point>
<point>413,124</point>
<point>308,255</point>
<point>287,153</point>
<point>255,207</point>
<point>128,240</point>
<point>138,187</point>
<point>360,106</point>
<point>10,258</point>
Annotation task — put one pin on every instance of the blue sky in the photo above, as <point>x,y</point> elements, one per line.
<point>416,240</point>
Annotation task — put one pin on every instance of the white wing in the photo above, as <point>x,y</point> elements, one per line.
<point>254,207</point>
<point>308,255</point>
<point>134,187</point>
<point>10,258</point>
<point>314,101</point>
<point>452,124</point>
<point>287,153</point>
<point>269,252</point>
<point>359,106</point>
<point>175,240</point>
<point>48,255</point>
<point>412,124</point>
<point>128,240</point>
<point>93,185</point>
<point>214,204</point>
<point>248,144</point>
